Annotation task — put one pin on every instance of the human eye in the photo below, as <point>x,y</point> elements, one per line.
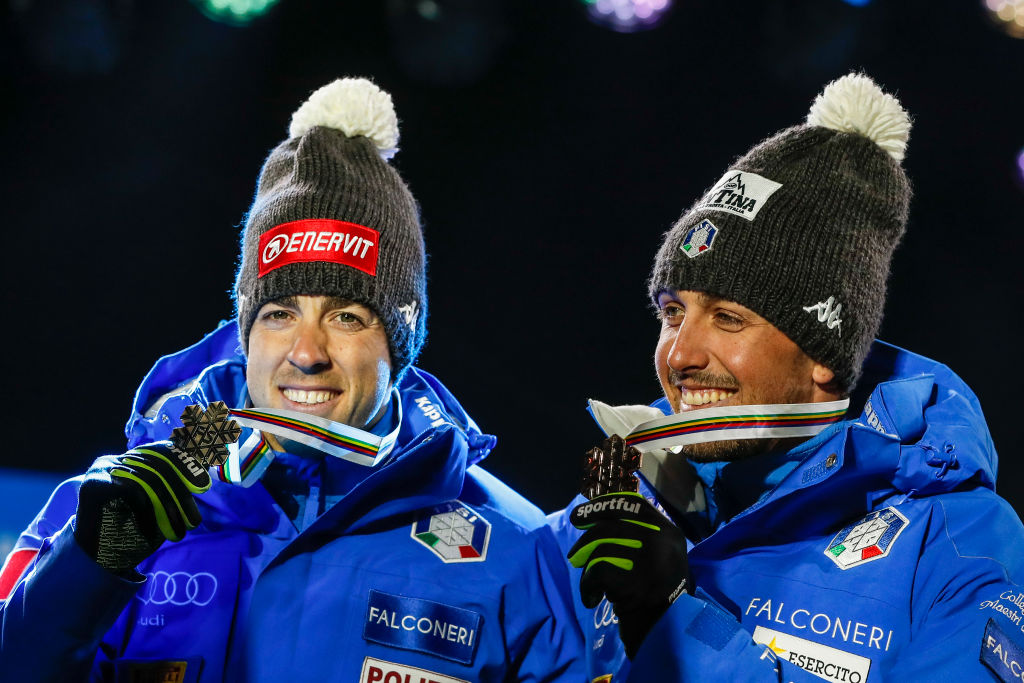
<point>671,313</point>
<point>729,320</point>
<point>351,321</point>
<point>275,316</point>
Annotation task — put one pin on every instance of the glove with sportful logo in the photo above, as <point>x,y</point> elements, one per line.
<point>634,555</point>
<point>129,504</point>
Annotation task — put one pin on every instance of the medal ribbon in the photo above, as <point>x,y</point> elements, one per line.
<point>250,457</point>
<point>774,421</point>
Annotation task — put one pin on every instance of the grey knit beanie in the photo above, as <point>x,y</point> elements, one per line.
<point>802,228</point>
<point>331,217</point>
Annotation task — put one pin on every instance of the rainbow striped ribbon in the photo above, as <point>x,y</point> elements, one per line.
<point>775,421</point>
<point>333,438</point>
<point>247,460</point>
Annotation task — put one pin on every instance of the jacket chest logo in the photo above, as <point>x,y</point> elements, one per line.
<point>454,533</point>
<point>869,539</point>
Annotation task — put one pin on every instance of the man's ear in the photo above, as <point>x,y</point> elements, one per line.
<point>825,386</point>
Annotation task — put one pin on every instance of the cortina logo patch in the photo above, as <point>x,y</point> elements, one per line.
<point>869,539</point>
<point>699,239</point>
<point>454,533</point>
<point>828,313</point>
<point>740,193</point>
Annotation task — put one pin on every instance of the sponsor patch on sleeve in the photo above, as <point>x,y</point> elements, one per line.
<point>1002,654</point>
<point>422,626</point>
<point>316,239</point>
<point>454,532</point>
<point>13,568</point>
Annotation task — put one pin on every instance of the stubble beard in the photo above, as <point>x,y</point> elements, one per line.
<point>728,451</point>
<point>743,449</point>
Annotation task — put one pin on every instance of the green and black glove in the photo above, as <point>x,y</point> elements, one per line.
<point>634,555</point>
<point>128,505</point>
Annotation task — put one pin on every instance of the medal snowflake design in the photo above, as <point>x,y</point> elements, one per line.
<point>205,434</point>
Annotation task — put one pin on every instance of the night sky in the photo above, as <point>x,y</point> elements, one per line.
<point>548,154</point>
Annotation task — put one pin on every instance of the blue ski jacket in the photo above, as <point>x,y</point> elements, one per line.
<point>885,555</point>
<point>429,570</point>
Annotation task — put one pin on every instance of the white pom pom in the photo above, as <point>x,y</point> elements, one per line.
<point>854,104</point>
<point>355,106</point>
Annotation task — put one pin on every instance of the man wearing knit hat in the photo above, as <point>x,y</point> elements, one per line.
<point>811,504</point>
<point>349,534</point>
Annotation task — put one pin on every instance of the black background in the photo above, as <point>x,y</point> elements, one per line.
<point>548,154</point>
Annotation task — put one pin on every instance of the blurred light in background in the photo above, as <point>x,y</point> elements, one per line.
<point>447,42</point>
<point>857,3</point>
<point>831,33</point>
<point>1008,14</point>
<point>236,12</point>
<point>627,16</point>
<point>73,37</point>
<point>1020,165</point>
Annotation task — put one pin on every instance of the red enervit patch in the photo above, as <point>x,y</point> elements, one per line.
<point>319,239</point>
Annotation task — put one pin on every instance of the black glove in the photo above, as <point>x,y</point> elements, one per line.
<point>633,554</point>
<point>128,505</point>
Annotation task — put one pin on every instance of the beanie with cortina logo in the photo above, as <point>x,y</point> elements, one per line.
<point>801,229</point>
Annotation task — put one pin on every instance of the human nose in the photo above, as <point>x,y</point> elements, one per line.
<point>309,349</point>
<point>688,349</point>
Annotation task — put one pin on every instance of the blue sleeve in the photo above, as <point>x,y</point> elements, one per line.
<point>968,603</point>
<point>543,626</point>
<point>53,620</point>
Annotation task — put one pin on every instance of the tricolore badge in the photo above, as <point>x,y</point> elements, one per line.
<point>454,532</point>
<point>869,539</point>
<point>699,238</point>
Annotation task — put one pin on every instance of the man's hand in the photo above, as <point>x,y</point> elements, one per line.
<point>128,505</point>
<point>634,555</point>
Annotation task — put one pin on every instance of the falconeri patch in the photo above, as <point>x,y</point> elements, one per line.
<point>869,539</point>
<point>699,238</point>
<point>454,532</point>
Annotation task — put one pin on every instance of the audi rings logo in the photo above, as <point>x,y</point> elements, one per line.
<point>178,588</point>
<point>604,615</point>
<point>274,248</point>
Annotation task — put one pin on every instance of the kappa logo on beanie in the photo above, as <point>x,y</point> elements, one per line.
<point>740,193</point>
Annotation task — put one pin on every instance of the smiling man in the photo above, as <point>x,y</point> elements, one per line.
<point>812,504</point>
<point>351,534</point>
